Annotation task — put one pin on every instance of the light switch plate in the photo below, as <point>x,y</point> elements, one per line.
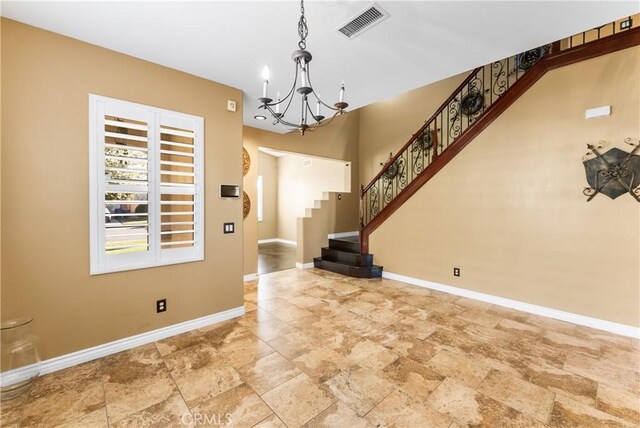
<point>231,105</point>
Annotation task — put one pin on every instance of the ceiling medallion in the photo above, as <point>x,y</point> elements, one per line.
<point>309,121</point>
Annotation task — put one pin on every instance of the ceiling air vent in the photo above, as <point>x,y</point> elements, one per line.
<point>364,20</point>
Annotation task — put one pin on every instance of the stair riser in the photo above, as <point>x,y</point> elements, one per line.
<point>348,258</point>
<point>353,271</point>
<point>336,244</point>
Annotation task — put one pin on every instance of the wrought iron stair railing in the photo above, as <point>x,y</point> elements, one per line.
<point>473,99</point>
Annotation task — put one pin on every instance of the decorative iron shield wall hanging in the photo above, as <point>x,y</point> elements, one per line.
<point>614,172</point>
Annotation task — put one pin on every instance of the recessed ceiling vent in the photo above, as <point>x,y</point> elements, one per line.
<point>367,18</point>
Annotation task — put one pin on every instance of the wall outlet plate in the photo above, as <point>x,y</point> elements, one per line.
<point>456,271</point>
<point>231,105</point>
<point>161,305</point>
<point>229,227</point>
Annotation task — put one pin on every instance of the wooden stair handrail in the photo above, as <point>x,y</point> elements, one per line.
<point>606,45</point>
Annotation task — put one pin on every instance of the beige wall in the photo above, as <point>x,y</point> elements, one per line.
<point>300,186</point>
<point>46,81</point>
<point>387,125</point>
<point>509,209</point>
<point>250,223</point>
<point>312,231</point>
<point>339,140</point>
<point>268,169</point>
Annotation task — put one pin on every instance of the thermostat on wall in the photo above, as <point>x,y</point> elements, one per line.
<point>229,191</point>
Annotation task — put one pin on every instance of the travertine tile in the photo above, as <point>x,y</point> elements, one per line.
<point>481,318</point>
<point>519,328</point>
<point>338,415</point>
<point>134,380</point>
<point>628,359</point>
<point>171,412</point>
<point>371,355</point>
<point>569,413</point>
<point>471,408</point>
<point>459,366</point>
<point>95,419</point>
<point>272,421</point>
<point>360,389</point>
<point>244,351</point>
<point>560,381</point>
<point>551,324</point>
<point>298,400</point>
<point>321,364</point>
<point>60,397</point>
<point>619,402</point>
<point>530,399</point>
<point>293,344</point>
<point>399,409</point>
<point>603,372</point>
<point>239,407</point>
<point>268,372</point>
<point>412,377</point>
<point>571,343</point>
<point>11,411</point>
<point>199,371</point>
<point>408,346</point>
<point>179,342</point>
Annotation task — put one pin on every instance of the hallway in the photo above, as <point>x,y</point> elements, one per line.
<point>274,257</point>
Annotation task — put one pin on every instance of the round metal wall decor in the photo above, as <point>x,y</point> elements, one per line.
<point>525,60</point>
<point>392,171</point>
<point>246,161</point>
<point>427,141</point>
<point>246,204</point>
<point>471,103</point>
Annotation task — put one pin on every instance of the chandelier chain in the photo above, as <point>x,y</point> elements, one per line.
<point>303,30</point>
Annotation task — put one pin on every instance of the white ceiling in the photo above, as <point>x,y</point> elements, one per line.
<point>231,41</point>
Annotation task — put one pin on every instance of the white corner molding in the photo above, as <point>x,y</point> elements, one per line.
<point>343,234</point>
<point>250,277</point>
<point>278,240</point>
<point>304,265</point>
<point>64,361</point>
<point>612,327</point>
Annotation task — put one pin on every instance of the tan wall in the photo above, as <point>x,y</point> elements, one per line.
<point>250,223</point>
<point>387,125</point>
<point>339,140</point>
<point>509,209</point>
<point>47,79</point>
<point>312,231</point>
<point>300,186</point>
<point>268,169</point>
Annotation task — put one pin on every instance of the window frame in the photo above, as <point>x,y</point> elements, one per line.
<point>100,262</point>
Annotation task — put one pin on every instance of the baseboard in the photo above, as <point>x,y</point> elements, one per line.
<point>278,240</point>
<point>89,354</point>
<point>250,277</point>
<point>343,234</point>
<point>612,327</point>
<point>304,265</point>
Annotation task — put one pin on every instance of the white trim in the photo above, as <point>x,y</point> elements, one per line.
<point>89,354</point>
<point>612,327</point>
<point>304,265</point>
<point>278,240</point>
<point>343,234</point>
<point>250,277</point>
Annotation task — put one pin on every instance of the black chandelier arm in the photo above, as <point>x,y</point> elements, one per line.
<point>278,117</point>
<point>314,92</point>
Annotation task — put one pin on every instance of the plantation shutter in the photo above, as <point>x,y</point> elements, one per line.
<point>146,186</point>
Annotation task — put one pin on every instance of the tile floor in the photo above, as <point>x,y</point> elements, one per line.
<point>275,256</point>
<point>321,350</point>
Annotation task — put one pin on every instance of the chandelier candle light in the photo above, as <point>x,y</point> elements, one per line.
<point>301,57</point>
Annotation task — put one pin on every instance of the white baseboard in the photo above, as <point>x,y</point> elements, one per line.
<point>612,327</point>
<point>304,265</point>
<point>64,361</point>
<point>343,234</point>
<point>250,277</point>
<point>278,240</point>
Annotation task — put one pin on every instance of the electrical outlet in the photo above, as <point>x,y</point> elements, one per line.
<point>228,227</point>
<point>161,305</point>
<point>231,105</point>
<point>456,271</point>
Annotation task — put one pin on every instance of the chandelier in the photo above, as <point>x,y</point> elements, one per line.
<point>309,121</point>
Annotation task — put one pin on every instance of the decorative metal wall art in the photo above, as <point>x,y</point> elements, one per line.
<point>246,204</point>
<point>392,170</point>
<point>614,172</point>
<point>246,161</point>
<point>525,60</point>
